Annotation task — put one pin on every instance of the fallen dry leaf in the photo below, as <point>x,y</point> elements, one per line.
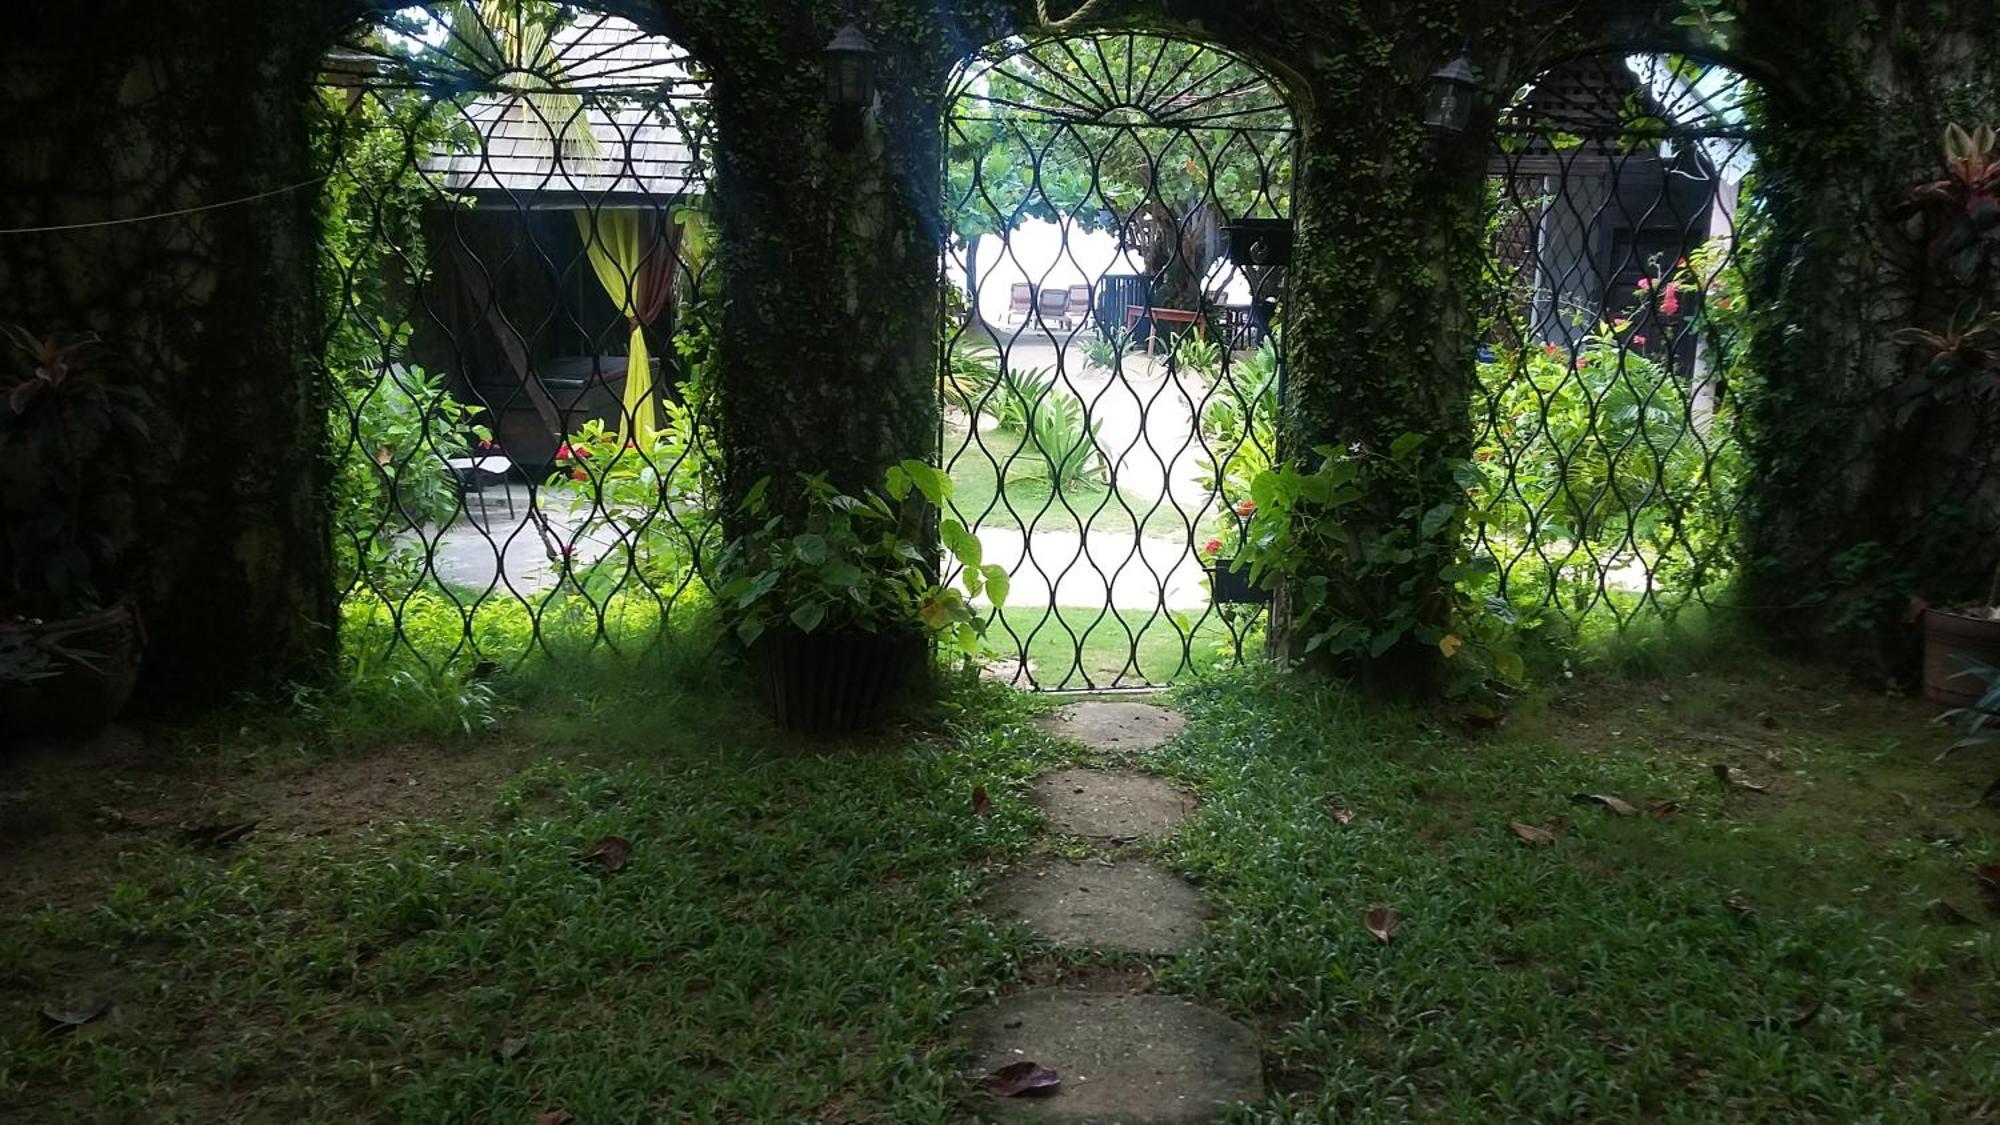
<point>1989,884</point>
<point>63,1020</point>
<point>510,1048</point>
<point>607,855</point>
<point>1616,804</point>
<point>1740,906</point>
<point>1383,922</point>
<point>1021,1079</point>
<point>1532,834</point>
<point>218,834</point>
<point>556,1117</point>
<point>1727,776</point>
<point>1805,1014</point>
<point>1941,911</point>
<point>1340,813</point>
<point>982,805</point>
<point>1661,806</point>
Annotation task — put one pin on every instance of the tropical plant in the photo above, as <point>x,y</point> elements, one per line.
<point>1961,215</point>
<point>1239,437</point>
<point>971,373</point>
<point>72,438</point>
<point>1300,533</point>
<point>853,565</point>
<point>1020,389</point>
<point>650,499</point>
<point>1598,459</point>
<point>1064,442</point>
<point>1198,354</point>
<point>1982,719</point>
<point>1105,349</point>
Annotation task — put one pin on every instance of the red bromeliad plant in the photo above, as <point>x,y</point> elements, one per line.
<point>68,445</point>
<point>1962,213</point>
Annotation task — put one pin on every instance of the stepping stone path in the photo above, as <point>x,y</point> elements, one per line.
<point>1126,727</point>
<point>1127,907</point>
<point>1110,804</point>
<point>1121,1057</point>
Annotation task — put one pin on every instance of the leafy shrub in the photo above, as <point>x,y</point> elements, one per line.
<point>1201,356</point>
<point>1021,388</point>
<point>1064,442</point>
<point>1600,460</point>
<point>972,373</point>
<point>852,566</point>
<point>1105,349</point>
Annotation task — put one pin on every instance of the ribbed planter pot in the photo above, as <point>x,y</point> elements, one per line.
<point>86,693</point>
<point>836,681</point>
<point>1952,643</point>
<point>1228,586</point>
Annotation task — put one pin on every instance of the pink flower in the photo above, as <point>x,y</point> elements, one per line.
<point>1638,341</point>
<point>578,474</point>
<point>1551,349</point>
<point>1246,509</point>
<point>1670,302</point>
<point>1645,283</point>
<point>563,452</point>
<point>1212,548</point>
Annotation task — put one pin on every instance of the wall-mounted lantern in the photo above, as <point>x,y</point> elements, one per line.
<point>1260,242</point>
<point>850,82</point>
<point>1452,88</point>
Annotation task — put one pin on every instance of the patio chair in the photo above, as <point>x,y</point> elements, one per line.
<point>1076,311</point>
<point>1020,302</point>
<point>1053,305</point>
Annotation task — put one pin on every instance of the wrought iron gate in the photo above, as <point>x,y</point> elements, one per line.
<point>1112,372</point>
<point>1614,345</point>
<point>515,275</point>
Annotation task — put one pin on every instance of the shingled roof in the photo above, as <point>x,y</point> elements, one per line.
<point>641,102</point>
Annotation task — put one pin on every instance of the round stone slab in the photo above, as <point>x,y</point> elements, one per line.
<point>1124,907</point>
<point>1110,804</point>
<point>1109,725</point>
<point>1121,1058</point>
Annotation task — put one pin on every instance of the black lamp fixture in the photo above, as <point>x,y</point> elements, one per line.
<point>1452,88</point>
<point>850,82</point>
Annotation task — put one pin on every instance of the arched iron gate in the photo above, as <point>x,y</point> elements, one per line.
<point>516,281</point>
<point>1119,208</point>
<point>1623,191</point>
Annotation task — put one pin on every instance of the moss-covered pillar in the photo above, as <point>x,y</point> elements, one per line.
<point>122,111</point>
<point>1381,344</point>
<point>1874,482</point>
<point>830,255</point>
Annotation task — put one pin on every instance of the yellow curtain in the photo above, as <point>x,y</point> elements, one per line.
<point>617,252</point>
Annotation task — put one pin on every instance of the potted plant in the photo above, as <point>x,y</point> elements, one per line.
<point>70,642</point>
<point>1957,641</point>
<point>836,610</point>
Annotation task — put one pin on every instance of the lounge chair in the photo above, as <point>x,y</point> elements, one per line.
<point>1053,305</point>
<point>1020,302</point>
<point>1076,311</point>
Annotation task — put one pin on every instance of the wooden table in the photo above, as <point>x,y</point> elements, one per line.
<point>1135,313</point>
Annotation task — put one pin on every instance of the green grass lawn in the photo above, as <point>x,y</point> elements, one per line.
<point>406,934</point>
<point>976,468</point>
<point>1077,648</point>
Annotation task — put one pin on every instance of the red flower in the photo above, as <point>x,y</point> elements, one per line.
<point>1670,302</point>
<point>1645,283</point>
<point>484,444</point>
<point>578,474</point>
<point>1212,548</point>
<point>1246,508</point>
<point>1638,341</point>
<point>1550,348</point>
<point>563,452</point>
